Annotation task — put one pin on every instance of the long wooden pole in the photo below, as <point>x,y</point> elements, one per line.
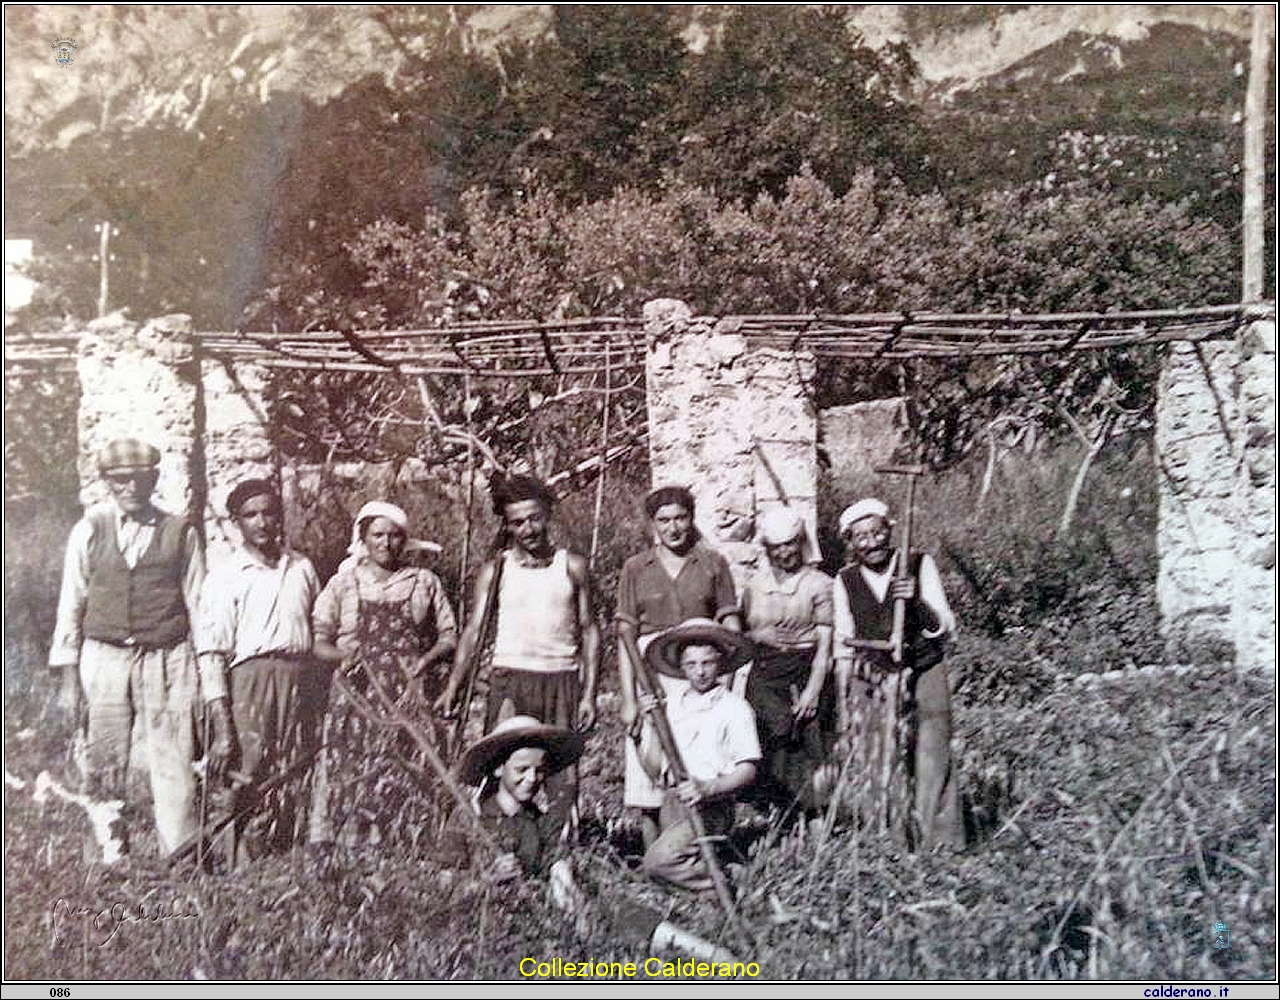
<point>1255,109</point>
<point>604,460</point>
<point>647,683</point>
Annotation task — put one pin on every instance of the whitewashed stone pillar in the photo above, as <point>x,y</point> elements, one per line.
<point>141,383</point>
<point>1254,607</point>
<point>1195,422</point>
<point>732,424</point>
<point>236,443</point>
<point>1216,437</point>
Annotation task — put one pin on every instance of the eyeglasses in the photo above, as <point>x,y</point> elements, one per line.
<point>125,478</point>
<point>871,535</point>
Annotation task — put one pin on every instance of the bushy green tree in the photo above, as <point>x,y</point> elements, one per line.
<point>788,84</point>
<point>595,96</point>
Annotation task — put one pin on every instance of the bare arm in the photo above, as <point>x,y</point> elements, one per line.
<point>628,654</point>
<point>807,706</point>
<point>589,629</point>
<point>693,791</point>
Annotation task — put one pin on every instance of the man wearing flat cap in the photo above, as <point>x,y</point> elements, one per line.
<point>898,714</point>
<point>254,634</point>
<point>130,584</point>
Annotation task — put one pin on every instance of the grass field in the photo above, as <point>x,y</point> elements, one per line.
<point>1114,818</point>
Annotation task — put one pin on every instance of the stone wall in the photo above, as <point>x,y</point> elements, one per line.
<point>732,424</point>
<point>141,382</point>
<point>1254,605</point>
<point>854,441</point>
<point>237,445</point>
<point>1215,437</point>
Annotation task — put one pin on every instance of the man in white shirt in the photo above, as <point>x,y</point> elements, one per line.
<point>899,714</point>
<point>254,630</point>
<point>130,583</point>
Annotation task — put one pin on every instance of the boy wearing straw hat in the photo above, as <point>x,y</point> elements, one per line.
<point>715,733</point>
<point>510,767</point>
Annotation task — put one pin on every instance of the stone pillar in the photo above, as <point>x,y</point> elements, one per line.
<point>1195,422</point>
<point>141,383</point>
<point>236,445</point>
<point>1254,607</point>
<point>732,424</point>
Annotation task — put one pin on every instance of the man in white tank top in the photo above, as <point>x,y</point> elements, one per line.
<point>546,645</point>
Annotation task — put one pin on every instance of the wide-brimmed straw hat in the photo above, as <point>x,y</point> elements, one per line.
<point>563,747</point>
<point>664,651</point>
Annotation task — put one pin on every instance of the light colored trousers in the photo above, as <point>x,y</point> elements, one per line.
<point>676,856</point>
<point>159,688</point>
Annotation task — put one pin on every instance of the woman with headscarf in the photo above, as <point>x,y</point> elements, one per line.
<point>787,610</point>
<point>386,627</point>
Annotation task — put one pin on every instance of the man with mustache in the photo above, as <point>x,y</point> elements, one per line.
<point>899,715</point>
<point>546,645</point>
<point>131,580</point>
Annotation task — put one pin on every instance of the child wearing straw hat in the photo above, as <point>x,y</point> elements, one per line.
<point>510,767</point>
<point>715,732</point>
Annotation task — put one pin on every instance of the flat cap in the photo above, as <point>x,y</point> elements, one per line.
<point>127,455</point>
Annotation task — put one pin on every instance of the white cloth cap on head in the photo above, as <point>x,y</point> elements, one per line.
<point>394,514</point>
<point>376,508</point>
<point>781,524</point>
<point>869,507</point>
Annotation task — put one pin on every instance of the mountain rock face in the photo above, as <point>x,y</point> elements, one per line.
<point>957,47</point>
<point>168,63</point>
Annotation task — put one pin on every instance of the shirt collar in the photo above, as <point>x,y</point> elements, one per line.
<point>694,701</point>
<point>651,554</point>
<point>880,574</point>
<point>771,584</point>
<point>403,573</point>
<point>248,559</point>
<point>148,515</point>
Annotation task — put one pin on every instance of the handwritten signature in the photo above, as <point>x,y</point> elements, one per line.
<point>105,923</point>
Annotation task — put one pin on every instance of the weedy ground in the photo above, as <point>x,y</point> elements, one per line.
<point>1112,824</point>
<point>1115,814</point>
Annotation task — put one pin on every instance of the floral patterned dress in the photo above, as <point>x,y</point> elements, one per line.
<point>371,785</point>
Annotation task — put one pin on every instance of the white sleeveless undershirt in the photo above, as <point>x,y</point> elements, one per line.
<point>537,617</point>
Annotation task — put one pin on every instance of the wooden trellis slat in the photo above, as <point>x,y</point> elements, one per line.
<point>526,349</point>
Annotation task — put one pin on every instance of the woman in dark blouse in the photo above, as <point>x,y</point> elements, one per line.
<point>677,579</point>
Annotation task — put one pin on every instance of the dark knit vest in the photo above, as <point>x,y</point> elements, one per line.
<point>873,619</point>
<point>142,606</point>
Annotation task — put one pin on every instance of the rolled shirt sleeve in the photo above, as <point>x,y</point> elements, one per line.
<point>842,619</point>
<point>627,609</point>
<point>436,607</point>
<point>726,596</point>
<point>326,618</point>
<point>934,598</point>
